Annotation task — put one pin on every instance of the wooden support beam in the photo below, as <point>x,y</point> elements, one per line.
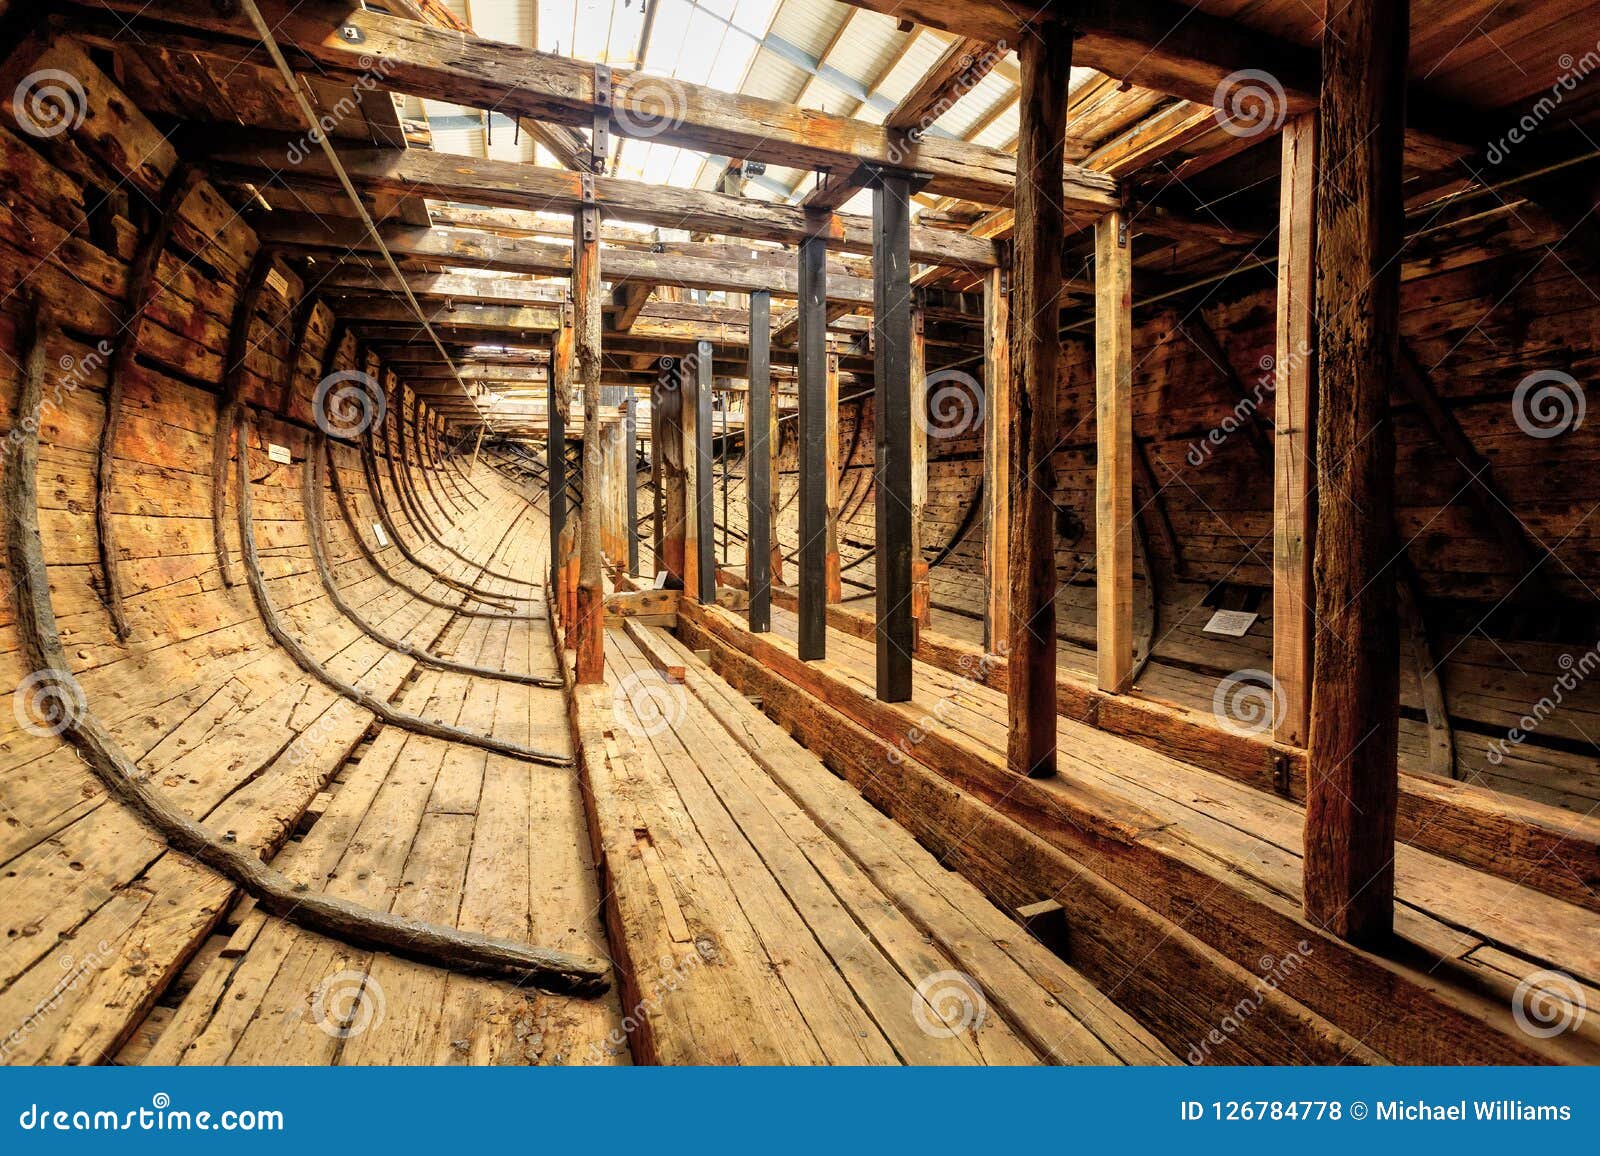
<point>758,468</point>
<point>629,299</point>
<point>557,398</point>
<point>631,475</point>
<point>591,661</point>
<point>1294,424</point>
<point>1113,477</point>
<point>998,487</point>
<point>689,417</point>
<point>1352,773</point>
<point>892,421</point>
<point>1035,361</point>
<point>704,509</point>
<point>921,597</point>
<point>833,574</point>
<point>341,41</point>
<point>667,418</point>
<point>814,471</point>
<point>515,185</point>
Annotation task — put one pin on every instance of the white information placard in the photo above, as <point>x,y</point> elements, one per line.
<point>1233,623</point>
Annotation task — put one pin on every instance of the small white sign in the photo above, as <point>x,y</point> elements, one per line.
<point>1234,623</point>
<point>661,579</point>
<point>279,454</point>
<point>377,532</point>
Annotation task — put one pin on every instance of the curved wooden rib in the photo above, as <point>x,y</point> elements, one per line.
<point>141,291</point>
<point>273,891</point>
<point>1144,645</point>
<point>383,572</point>
<point>369,470</point>
<point>303,659</point>
<point>228,405</point>
<point>425,459</point>
<point>311,487</point>
<point>299,327</point>
<point>411,501</point>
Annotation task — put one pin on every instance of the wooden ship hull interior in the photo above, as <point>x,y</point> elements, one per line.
<point>475,596</point>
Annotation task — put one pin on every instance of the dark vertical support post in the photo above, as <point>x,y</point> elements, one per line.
<point>704,510</point>
<point>630,447</point>
<point>1035,418</point>
<point>758,464</point>
<point>667,440</point>
<point>1352,781</point>
<point>891,371</point>
<point>813,500</point>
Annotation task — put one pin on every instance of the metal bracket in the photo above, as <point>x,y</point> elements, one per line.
<point>600,134</point>
<point>589,214</point>
<point>1280,773</point>
<point>1122,231</point>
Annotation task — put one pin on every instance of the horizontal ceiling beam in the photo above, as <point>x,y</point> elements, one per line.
<point>342,40</point>
<point>262,160</point>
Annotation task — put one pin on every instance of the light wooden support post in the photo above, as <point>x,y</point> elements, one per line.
<point>630,443</point>
<point>758,429</point>
<point>997,476</point>
<point>832,569</point>
<point>586,361</point>
<point>558,395</point>
<point>892,418</point>
<point>1035,359</point>
<point>704,510</point>
<point>921,599</point>
<point>1293,424</point>
<point>688,448</point>
<point>1352,777</point>
<point>813,498</point>
<point>1113,476</point>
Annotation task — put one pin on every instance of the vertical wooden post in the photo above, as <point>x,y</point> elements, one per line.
<point>704,510</point>
<point>813,498</point>
<point>586,360</point>
<point>758,464</point>
<point>921,600</point>
<point>667,441</point>
<point>892,419</point>
<point>834,575</point>
<point>689,425</point>
<point>558,394</point>
<point>1113,477</point>
<point>775,438</point>
<point>997,476</point>
<point>1293,424</point>
<point>1352,778</point>
<point>630,450</point>
<point>1035,360</point>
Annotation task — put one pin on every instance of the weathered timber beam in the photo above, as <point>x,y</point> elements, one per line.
<point>1170,47</point>
<point>1035,358</point>
<point>441,65</point>
<point>896,622</point>
<point>1113,475</point>
<point>1352,769</point>
<point>260,161</point>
